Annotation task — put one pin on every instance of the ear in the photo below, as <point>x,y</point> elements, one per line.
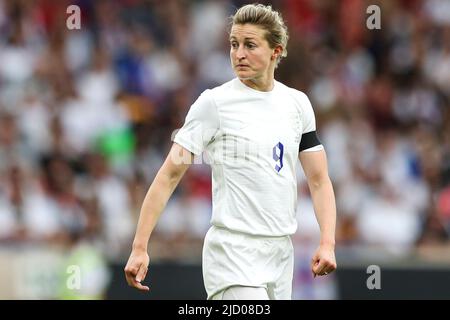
<point>277,51</point>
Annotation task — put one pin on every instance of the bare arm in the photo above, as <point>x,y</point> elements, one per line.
<point>316,170</point>
<point>165,182</point>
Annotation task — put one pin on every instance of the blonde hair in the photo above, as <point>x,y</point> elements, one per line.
<point>267,18</point>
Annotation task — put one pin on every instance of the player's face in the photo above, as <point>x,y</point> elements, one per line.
<point>250,54</point>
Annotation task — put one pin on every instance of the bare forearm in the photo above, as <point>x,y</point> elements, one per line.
<point>325,209</point>
<point>152,206</point>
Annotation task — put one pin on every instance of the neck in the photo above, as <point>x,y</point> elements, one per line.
<point>260,84</point>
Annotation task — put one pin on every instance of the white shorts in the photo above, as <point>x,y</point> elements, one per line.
<point>242,293</point>
<point>237,259</point>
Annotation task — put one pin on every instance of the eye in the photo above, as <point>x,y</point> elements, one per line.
<point>234,44</point>
<point>251,45</point>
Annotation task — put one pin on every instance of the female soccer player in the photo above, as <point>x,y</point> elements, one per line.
<point>252,129</point>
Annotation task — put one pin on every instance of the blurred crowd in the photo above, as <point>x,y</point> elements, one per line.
<point>86,117</point>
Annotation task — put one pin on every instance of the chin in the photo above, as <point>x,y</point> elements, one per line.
<point>244,75</point>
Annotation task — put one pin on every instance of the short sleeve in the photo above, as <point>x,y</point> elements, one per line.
<point>200,126</point>
<point>309,140</point>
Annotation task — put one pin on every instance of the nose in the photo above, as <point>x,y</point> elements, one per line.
<point>240,53</point>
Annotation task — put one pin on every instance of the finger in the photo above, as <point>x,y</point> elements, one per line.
<point>129,280</point>
<point>317,265</point>
<point>130,274</point>
<point>141,273</point>
<point>314,262</point>
<point>320,268</point>
<point>330,269</point>
<point>133,283</point>
<point>139,286</point>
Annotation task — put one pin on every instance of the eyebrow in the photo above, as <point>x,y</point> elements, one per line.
<point>247,38</point>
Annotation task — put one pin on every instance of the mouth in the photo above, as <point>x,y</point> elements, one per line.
<point>242,66</point>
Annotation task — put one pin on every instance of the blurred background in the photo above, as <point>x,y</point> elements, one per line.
<point>86,118</point>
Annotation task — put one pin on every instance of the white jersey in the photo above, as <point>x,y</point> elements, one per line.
<point>252,141</point>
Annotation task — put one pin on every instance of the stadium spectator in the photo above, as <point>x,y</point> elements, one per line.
<point>148,61</point>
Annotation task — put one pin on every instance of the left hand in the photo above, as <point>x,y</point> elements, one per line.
<point>323,261</point>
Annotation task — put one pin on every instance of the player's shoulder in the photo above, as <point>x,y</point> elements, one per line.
<point>223,89</point>
<point>211,96</point>
<point>295,93</point>
<point>221,93</point>
<point>297,97</point>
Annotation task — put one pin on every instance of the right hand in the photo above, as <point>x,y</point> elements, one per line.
<point>136,269</point>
